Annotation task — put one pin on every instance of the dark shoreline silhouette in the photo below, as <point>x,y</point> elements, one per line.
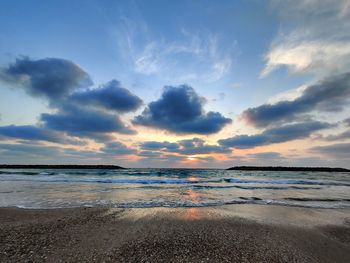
<point>283,168</point>
<point>58,166</point>
<point>111,167</point>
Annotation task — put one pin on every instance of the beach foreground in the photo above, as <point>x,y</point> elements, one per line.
<point>232,233</point>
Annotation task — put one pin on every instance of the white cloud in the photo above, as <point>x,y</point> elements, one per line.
<point>314,37</point>
<point>149,61</point>
<point>191,56</point>
<point>219,69</point>
<point>308,57</point>
<point>288,95</point>
<point>193,52</point>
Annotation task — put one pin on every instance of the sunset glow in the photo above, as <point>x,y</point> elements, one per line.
<point>182,84</point>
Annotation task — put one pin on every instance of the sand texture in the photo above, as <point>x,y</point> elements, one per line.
<point>173,235</point>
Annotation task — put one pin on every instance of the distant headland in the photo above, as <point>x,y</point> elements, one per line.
<point>283,168</point>
<point>58,166</point>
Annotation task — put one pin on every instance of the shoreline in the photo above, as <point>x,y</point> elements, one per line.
<point>117,167</point>
<point>243,233</point>
<point>243,202</point>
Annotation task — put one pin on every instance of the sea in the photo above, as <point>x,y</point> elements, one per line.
<point>140,188</point>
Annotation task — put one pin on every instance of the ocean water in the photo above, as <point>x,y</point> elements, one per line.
<point>53,188</point>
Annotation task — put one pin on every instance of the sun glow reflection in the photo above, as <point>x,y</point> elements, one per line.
<point>193,212</point>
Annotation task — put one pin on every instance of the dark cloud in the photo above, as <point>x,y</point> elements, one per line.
<point>347,122</point>
<point>275,135</point>
<point>149,154</point>
<point>27,149</point>
<point>180,110</point>
<point>29,132</point>
<point>329,95</point>
<point>29,153</point>
<point>52,78</point>
<point>84,122</point>
<point>186,147</point>
<point>110,96</point>
<point>78,153</point>
<point>198,146</point>
<point>266,155</point>
<point>336,137</point>
<point>117,148</point>
<point>340,150</point>
<point>153,145</point>
<point>64,84</point>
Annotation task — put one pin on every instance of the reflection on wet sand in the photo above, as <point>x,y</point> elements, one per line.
<point>193,212</point>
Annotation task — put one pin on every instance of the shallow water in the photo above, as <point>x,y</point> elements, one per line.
<point>52,188</point>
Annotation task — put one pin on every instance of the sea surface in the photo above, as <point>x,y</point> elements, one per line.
<point>53,188</point>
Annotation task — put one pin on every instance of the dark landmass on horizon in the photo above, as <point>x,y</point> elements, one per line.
<point>284,168</point>
<point>58,166</point>
<point>111,167</point>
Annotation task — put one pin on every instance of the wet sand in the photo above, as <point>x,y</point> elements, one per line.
<point>233,233</point>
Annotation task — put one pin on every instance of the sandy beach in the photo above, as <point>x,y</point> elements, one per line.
<point>233,233</point>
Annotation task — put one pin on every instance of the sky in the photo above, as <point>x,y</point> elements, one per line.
<point>198,84</point>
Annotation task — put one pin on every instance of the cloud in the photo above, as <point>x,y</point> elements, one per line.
<point>27,149</point>
<point>149,154</point>
<point>84,122</point>
<point>266,155</point>
<point>163,56</point>
<point>180,110</point>
<point>79,153</point>
<point>30,132</point>
<point>154,145</point>
<point>110,96</point>
<point>288,95</point>
<point>79,112</point>
<point>275,135</point>
<point>219,69</point>
<point>117,148</point>
<point>347,122</point>
<point>52,78</point>
<point>314,37</point>
<point>340,150</point>
<point>308,57</point>
<point>60,80</point>
<point>186,147</point>
<point>29,153</point>
<point>331,94</point>
<point>201,55</point>
<point>198,146</point>
<point>335,137</point>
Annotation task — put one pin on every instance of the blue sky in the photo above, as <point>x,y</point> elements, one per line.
<point>240,70</point>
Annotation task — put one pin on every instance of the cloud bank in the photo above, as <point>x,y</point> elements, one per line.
<point>80,111</point>
<point>339,150</point>
<point>186,147</point>
<point>84,122</point>
<point>34,133</point>
<point>331,94</point>
<point>275,135</point>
